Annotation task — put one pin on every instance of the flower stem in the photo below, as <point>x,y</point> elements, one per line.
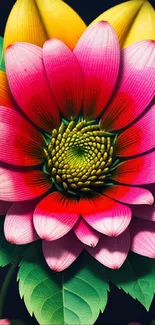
<point>5,286</point>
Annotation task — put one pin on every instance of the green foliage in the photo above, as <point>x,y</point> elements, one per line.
<point>9,253</point>
<point>137,278</point>
<point>2,62</point>
<point>75,296</point>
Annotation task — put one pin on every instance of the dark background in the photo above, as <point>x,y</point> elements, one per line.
<point>121,308</point>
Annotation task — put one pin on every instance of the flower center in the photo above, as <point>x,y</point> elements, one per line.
<point>79,156</point>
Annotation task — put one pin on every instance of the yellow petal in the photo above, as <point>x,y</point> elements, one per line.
<point>143,26</point>
<point>5,96</point>
<point>121,17</point>
<point>35,21</point>
<point>61,21</point>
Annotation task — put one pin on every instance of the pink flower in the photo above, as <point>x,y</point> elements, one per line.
<point>77,153</point>
<point>4,322</point>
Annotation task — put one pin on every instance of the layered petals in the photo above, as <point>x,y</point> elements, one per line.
<point>36,21</point>
<point>64,76</point>
<point>137,171</point>
<point>112,252</point>
<point>143,237</point>
<point>22,185</point>
<point>129,194</point>
<point>29,86</point>
<point>99,56</point>
<point>5,95</point>
<point>18,225</point>
<point>21,143</point>
<point>105,215</point>
<point>139,138</point>
<point>55,216</point>
<point>136,86</point>
<point>60,254</point>
<point>86,234</point>
<point>121,17</point>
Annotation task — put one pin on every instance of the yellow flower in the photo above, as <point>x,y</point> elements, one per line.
<point>132,20</point>
<point>35,21</point>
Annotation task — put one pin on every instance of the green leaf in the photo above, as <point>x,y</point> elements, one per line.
<point>9,253</point>
<point>137,278</point>
<point>75,296</point>
<point>2,62</point>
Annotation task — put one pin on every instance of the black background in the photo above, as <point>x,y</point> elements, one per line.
<point>121,308</point>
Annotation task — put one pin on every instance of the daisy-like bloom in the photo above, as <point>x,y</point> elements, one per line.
<point>77,140</point>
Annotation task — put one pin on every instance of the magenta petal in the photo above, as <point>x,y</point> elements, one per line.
<point>139,138</point>
<point>143,237</point>
<point>61,253</point>
<point>64,76</point>
<point>129,194</point>
<point>144,212</point>
<point>99,55</point>
<point>21,143</point>
<point>20,186</point>
<point>29,86</point>
<point>18,225</point>
<point>136,88</point>
<point>5,322</point>
<point>112,252</point>
<point>55,216</point>
<point>105,215</point>
<point>86,234</point>
<point>136,171</point>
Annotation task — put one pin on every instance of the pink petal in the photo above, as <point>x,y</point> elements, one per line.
<point>143,237</point>
<point>86,234</point>
<point>4,322</point>
<point>29,86</point>
<point>112,252</point>
<point>129,194</point>
<point>64,76</point>
<point>18,225</point>
<point>144,212</point>
<point>4,207</point>
<point>20,186</point>
<point>99,55</point>
<point>136,87</point>
<point>137,171</point>
<point>55,216</point>
<point>21,143</point>
<point>61,253</point>
<point>105,215</point>
<point>139,138</point>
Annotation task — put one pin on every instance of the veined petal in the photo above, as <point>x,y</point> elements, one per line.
<point>143,26</point>
<point>142,234</point>
<point>21,143</point>
<point>138,138</point>
<point>36,21</point>
<point>22,185</point>
<point>61,253</point>
<point>29,86</point>
<point>86,234</point>
<point>105,215</point>
<point>18,224</point>
<point>55,216</point>
<point>99,56</point>
<point>129,194</point>
<point>136,87</point>
<point>4,207</point>
<point>5,95</point>
<point>112,252</point>
<point>136,171</point>
<point>121,17</point>
<point>64,76</point>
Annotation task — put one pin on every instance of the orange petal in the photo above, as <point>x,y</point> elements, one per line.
<point>35,21</point>
<point>121,17</point>
<point>5,95</point>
